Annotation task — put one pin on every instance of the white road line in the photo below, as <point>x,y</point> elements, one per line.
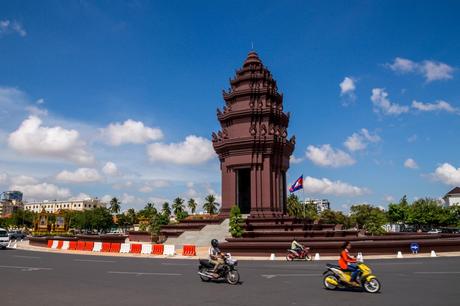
<point>94,260</point>
<point>438,272</point>
<point>23,256</point>
<point>26,269</point>
<point>145,273</point>
<point>173,264</point>
<point>269,276</point>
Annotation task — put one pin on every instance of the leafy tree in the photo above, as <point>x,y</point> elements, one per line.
<point>399,213</point>
<point>181,215</point>
<point>359,214</point>
<point>178,206</point>
<point>131,216</point>
<point>210,205</point>
<point>101,218</point>
<point>192,205</point>
<point>236,220</point>
<point>334,217</point>
<point>309,211</point>
<point>115,206</point>
<point>294,207</point>
<point>148,212</point>
<point>156,222</point>
<point>368,218</point>
<point>426,213</point>
<point>166,210</point>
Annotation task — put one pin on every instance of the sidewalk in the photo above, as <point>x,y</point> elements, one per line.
<point>202,252</point>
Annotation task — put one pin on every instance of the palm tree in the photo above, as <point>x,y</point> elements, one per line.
<point>192,205</point>
<point>115,206</point>
<point>210,205</point>
<point>178,206</point>
<point>166,210</point>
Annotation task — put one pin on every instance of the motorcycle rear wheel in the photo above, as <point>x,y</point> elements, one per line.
<point>326,284</point>
<point>289,257</point>
<point>233,277</point>
<point>372,286</point>
<point>203,270</point>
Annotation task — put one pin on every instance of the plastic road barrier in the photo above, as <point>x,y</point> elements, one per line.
<point>105,247</point>
<point>65,245</point>
<point>146,249</point>
<point>59,245</point>
<point>157,249</point>
<point>80,245</point>
<point>125,248</point>
<point>50,243</point>
<point>189,250</point>
<point>169,250</point>
<point>55,244</point>
<point>136,248</point>
<point>97,246</point>
<point>115,247</point>
<point>72,245</point>
<point>89,245</point>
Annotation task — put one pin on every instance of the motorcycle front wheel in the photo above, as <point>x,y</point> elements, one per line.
<point>233,277</point>
<point>372,286</point>
<point>203,270</point>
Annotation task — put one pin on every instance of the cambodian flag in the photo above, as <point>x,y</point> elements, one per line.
<point>298,184</point>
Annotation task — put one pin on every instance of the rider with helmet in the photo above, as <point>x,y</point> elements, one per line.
<point>215,256</point>
<point>348,262</point>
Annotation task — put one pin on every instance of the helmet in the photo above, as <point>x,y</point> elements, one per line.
<point>215,243</point>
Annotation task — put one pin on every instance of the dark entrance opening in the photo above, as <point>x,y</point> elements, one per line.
<point>243,191</point>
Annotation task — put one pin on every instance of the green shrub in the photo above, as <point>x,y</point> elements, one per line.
<point>236,220</point>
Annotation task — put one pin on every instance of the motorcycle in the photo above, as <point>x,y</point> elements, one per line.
<point>227,271</point>
<point>294,255</point>
<point>334,278</point>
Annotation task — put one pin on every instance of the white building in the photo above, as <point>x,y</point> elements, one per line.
<point>452,197</point>
<point>321,205</point>
<point>55,206</point>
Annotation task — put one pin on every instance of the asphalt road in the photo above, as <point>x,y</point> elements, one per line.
<point>38,278</point>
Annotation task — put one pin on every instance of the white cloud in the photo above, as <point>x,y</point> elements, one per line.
<point>130,132</point>
<point>36,111</point>
<point>3,178</point>
<point>389,198</point>
<point>110,168</point>
<point>383,105</point>
<point>42,191</point>
<point>431,70</point>
<point>194,150</point>
<point>326,156</point>
<point>150,185</point>
<point>80,196</point>
<point>31,138</point>
<point>328,187</point>
<point>146,189</point>
<point>81,175</point>
<point>10,27</point>
<point>106,198</point>
<point>295,160</point>
<point>23,180</point>
<point>132,201</point>
<point>447,174</point>
<point>410,163</point>
<point>359,141</point>
<point>347,86</point>
<point>437,106</point>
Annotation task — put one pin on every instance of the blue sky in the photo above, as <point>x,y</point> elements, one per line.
<point>118,98</point>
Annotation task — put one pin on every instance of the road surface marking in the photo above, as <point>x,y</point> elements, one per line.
<point>94,260</point>
<point>438,272</point>
<point>173,264</point>
<point>23,256</point>
<point>145,273</point>
<point>26,269</point>
<point>269,276</point>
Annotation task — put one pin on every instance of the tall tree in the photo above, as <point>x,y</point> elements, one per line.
<point>192,204</point>
<point>115,206</point>
<point>210,205</point>
<point>166,210</point>
<point>178,206</point>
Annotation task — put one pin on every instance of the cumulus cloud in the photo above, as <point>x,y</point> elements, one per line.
<point>347,87</point>
<point>328,187</point>
<point>81,175</point>
<point>359,141</point>
<point>11,27</point>
<point>431,70</point>
<point>410,163</point>
<point>439,105</point>
<point>33,139</point>
<point>383,105</point>
<point>193,150</point>
<point>130,132</point>
<point>389,198</point>
<point>295,160</point>
<point>110,168</point>
<point>42,191</point>
<point>447,174</point>
<point>80,196</point>
<point>326,156</point>
<point>150,185</point>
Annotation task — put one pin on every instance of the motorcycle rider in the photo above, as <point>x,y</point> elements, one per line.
<point>296,247</point>
<point>348,262</point>
<point>216,257</point>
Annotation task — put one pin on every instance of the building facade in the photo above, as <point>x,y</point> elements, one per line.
<point>55,206</point>
<point>452,197</point>
<point>253,144</point>
<point>13,196</point>
<point>10,201</point>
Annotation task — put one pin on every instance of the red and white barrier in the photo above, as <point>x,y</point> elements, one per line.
<point>169,250</point>
<point>55,244</point>
<point>65,245</point>
<point>146,249</point>
<point>125,248</point>
<point>97,247</point>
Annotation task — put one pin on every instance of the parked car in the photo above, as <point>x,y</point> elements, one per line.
<point>16,235</point>
<point>435,231</point>
<point>4,239</point>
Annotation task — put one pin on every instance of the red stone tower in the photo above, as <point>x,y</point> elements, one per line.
<point>253,145</point>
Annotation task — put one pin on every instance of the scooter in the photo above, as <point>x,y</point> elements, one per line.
<point>227,271</point>
<point>294,255</point>
<point>334,278</point>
